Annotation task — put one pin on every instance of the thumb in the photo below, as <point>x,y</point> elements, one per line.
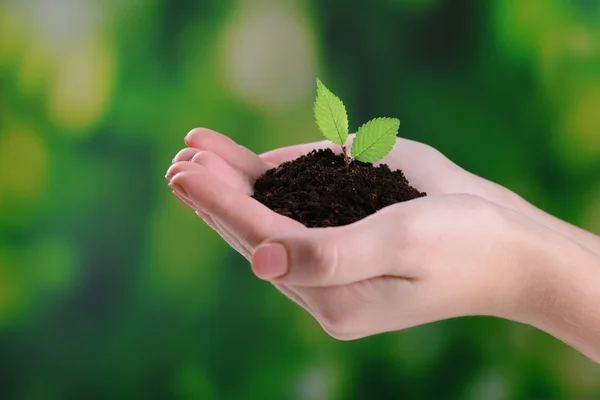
<point>326,256</point>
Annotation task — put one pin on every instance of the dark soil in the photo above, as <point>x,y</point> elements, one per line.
<point>318,191</point>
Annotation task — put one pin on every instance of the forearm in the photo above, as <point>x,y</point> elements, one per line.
<point>564,293</point>
<point>507,198</point>
<point>576,234</point>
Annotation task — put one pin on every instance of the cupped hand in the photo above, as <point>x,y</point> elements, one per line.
<point>432,258</point>
<point>238,168</point>
<point>425,167</point>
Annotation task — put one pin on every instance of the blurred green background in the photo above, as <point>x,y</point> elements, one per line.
<point>110,288</point>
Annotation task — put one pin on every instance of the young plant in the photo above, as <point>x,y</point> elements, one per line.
<point>373,141</point>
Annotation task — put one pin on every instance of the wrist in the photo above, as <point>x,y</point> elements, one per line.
<point>515,262</point>
<point>560,293</point>
<point>582,237</point>
<point>522,282</point>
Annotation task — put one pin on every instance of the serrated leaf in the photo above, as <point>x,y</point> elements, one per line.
<point>331,116</point>
<point>375,139</point>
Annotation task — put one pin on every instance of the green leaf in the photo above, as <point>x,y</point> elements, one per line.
<point>331,116</point>
<point>375,139</point>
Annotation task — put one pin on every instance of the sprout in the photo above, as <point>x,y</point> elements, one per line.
<point>373,141</point>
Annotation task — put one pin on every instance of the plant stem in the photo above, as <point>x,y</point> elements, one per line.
<point>346,159</point>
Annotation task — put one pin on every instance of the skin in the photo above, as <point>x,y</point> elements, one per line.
<point>471,247</point>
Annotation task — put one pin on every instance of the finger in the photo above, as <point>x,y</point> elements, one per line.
<point>184,201</point>
<point>185,154</point>
<point>204,160</point>
<point>329,256</point>
<point>226,174</point>
<point>229,176</point>
<point>229,238</point>
<point>213,223</point>
<point>188,166</point>
<point>180,167</point>
<point>239,157</point>
<point>205,217</point>
<point>209,221</point>
<point>223,171</point>
<point>245,218</point>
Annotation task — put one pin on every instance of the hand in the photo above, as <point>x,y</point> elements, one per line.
<point>412,263</point>
<point>238,167</point>
<point>445,255</point>
<point>381,268</point>
<point>425,167</point>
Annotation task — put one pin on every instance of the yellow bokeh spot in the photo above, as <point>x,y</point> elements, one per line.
<point>582,121</point>
<point>23,162</point>
<point>35,66</point>
<point>268,56</point>
<point>82,86</point>
<point>10,34</point>
<point>582,42</point>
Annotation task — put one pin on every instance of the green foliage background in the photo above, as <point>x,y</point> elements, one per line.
<point>110,288</point>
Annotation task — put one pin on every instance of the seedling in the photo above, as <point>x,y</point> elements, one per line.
<point>373,141</point>
<point>316,191</point>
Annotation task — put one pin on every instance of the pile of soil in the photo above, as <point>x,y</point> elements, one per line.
<point>319,191</point>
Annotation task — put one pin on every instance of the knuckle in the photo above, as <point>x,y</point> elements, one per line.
<point>482,210</point>
<point>202,157</point>
<point>412,233</point>
<point>182,178</point>
<point>431,151</point>
<point>324,261</point>
<point>409,226</point>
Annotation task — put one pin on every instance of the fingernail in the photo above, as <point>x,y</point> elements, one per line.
<point>270,261</point>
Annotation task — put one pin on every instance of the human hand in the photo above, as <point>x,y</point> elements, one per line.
<point>377,274</point>
<point>442,256</point>
<point>426,169</point>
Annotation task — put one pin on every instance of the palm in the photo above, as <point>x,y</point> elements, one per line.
<point>426,169</point>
